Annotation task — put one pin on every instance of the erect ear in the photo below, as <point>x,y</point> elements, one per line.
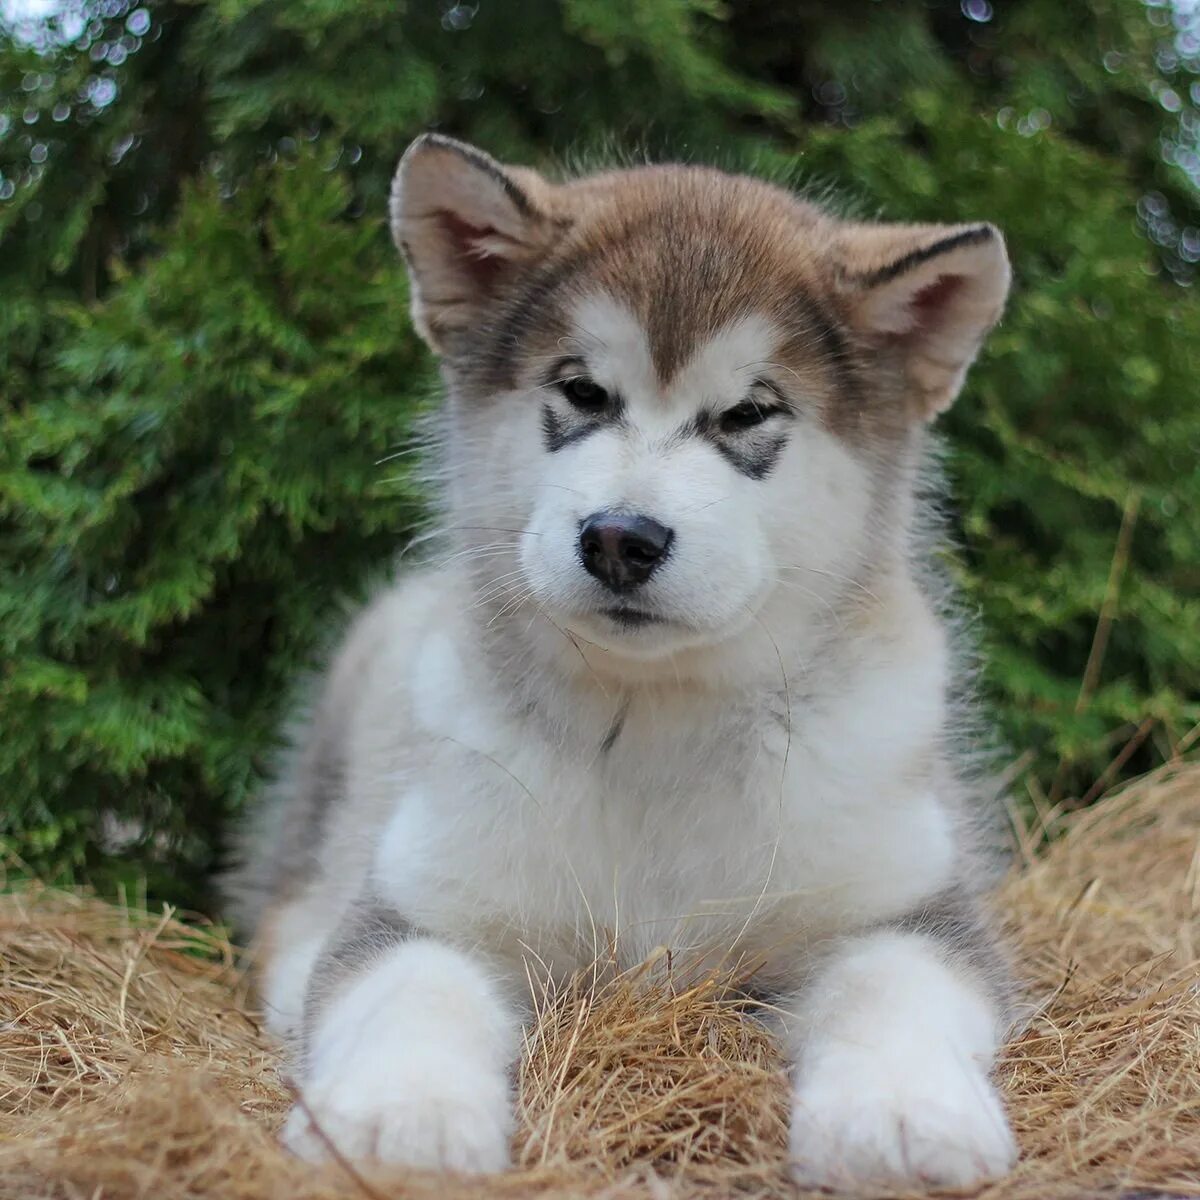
<point>930,292</point>
<point>464,224</point>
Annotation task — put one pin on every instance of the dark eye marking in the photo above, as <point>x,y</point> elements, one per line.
<point>557,433</point>
<point>569,376</point>
<point>755,462</point>
<point>737,434</point>
<point>590,405</point>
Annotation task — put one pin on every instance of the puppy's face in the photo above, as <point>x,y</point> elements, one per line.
<point>664,508</point>
<point>678,394</point>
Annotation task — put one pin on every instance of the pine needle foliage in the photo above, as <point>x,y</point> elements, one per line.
<point>205,358</point>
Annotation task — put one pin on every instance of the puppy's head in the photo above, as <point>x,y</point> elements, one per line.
<point>678,395</point>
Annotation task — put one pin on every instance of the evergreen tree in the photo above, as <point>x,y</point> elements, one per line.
<point>205,359</point>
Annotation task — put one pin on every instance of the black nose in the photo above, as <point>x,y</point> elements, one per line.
<point>623,551</point>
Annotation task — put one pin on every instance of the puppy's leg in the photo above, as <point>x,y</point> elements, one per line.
<point>893,1041</point>
<point>408,1048</point>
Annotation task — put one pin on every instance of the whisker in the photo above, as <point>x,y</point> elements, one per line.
<point>692,511</point>
<point>399,454</point>
<point>496,588</point>
<point>560,487</point>
<point>499,582</point>
<point>493,550</point>
<point>580,335</point>
<point>511,605</point>
<point>835,575</point>
<point>766,362</point>
<point>495,529</point>
<point>821,600</point>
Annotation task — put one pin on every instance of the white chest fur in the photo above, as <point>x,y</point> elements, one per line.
<point>697,824</point>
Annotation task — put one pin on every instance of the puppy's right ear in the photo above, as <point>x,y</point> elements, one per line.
<point>465,225</point>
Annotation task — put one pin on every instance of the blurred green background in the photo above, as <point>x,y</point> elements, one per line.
<point>204,349</point>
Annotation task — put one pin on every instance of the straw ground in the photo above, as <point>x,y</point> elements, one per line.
<point>132,1063</point>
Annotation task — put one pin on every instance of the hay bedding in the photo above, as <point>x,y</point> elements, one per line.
<point>132,1064</point>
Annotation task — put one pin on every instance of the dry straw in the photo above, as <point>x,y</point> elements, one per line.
<point>132,1064</point>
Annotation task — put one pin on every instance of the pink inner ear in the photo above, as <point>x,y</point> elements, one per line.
<point>928,304</point>
<point>466,241</point>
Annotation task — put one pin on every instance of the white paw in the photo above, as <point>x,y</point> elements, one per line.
<point>856,1122</point>
<point>422,1107</point>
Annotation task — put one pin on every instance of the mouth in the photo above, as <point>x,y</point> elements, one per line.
<point>630,618</point>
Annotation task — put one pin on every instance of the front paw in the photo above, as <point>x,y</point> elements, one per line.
<point>411,1105</point>
<point>856,1123</point>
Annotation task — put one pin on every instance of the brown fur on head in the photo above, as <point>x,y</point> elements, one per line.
<point>894,312</point>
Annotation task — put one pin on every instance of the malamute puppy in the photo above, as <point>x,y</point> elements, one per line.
<point>675,682</point>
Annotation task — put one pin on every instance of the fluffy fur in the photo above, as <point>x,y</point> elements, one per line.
<point>735,741</point>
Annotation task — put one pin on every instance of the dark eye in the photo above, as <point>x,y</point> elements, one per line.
<point>583,393</point>
<point>745,416</point>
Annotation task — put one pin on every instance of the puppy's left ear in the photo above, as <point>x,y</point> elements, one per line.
<point>930,293</point>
